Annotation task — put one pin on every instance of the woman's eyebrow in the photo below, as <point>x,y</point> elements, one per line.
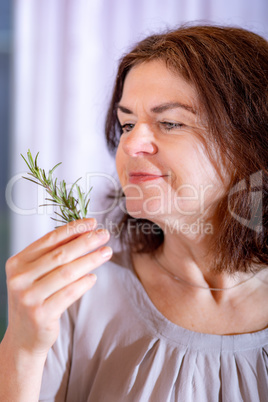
<point>123,109</point>
<point>172,105</point>
<point>161,108</point>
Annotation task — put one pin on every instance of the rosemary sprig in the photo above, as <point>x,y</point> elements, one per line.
<point>71,207</point>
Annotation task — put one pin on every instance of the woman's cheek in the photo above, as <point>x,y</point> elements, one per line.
<point>119,165</point>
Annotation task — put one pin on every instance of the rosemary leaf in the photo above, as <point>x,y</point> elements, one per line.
<point>73,204</point>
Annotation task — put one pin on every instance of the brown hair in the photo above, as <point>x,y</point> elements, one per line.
<point>229,68</point>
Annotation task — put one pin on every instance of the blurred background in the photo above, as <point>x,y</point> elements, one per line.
<point>58,61</point>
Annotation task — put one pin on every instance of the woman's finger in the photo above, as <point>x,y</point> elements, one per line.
<point>56,238</point>
<point>63,276</point>
<point>67,253</point>
<point>55,305</point>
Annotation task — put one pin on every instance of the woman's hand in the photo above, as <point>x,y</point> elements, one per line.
<point>47,277</point>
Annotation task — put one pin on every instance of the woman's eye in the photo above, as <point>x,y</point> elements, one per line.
<point>125,128</point>
<point>169,125</point>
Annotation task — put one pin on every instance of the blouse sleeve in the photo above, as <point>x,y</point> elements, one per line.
<point>57,367</point>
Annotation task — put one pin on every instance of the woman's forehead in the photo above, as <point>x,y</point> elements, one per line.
<point>153,81</point>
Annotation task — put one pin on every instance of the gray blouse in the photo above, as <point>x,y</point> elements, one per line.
<point>114,346</point>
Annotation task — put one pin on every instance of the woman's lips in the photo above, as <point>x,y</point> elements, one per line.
<point>139,177</point>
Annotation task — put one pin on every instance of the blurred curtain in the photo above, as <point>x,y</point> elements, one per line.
<point>66,53</point>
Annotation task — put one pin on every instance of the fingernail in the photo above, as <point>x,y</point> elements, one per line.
<point>92,222</point>
<point>93,277</point>
<point>102,233</point>
<point>106,252</point>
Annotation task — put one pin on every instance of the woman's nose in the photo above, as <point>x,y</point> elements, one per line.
<point>140,140</point>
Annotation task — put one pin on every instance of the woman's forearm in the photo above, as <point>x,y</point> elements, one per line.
<point>20,373</point>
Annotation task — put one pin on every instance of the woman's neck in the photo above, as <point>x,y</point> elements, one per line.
<point>190,260</point>
<point>240,310</point>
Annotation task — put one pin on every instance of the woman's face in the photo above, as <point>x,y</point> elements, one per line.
<point>161,162</point>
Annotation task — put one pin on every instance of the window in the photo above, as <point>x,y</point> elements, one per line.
<point>5,88</point>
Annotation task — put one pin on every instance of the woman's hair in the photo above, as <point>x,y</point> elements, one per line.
<point>228,67</point>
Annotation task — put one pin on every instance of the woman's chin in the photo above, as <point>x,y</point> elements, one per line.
<point>143,211</point>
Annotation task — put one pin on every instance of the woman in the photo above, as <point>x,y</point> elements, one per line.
<point>181,313</point>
